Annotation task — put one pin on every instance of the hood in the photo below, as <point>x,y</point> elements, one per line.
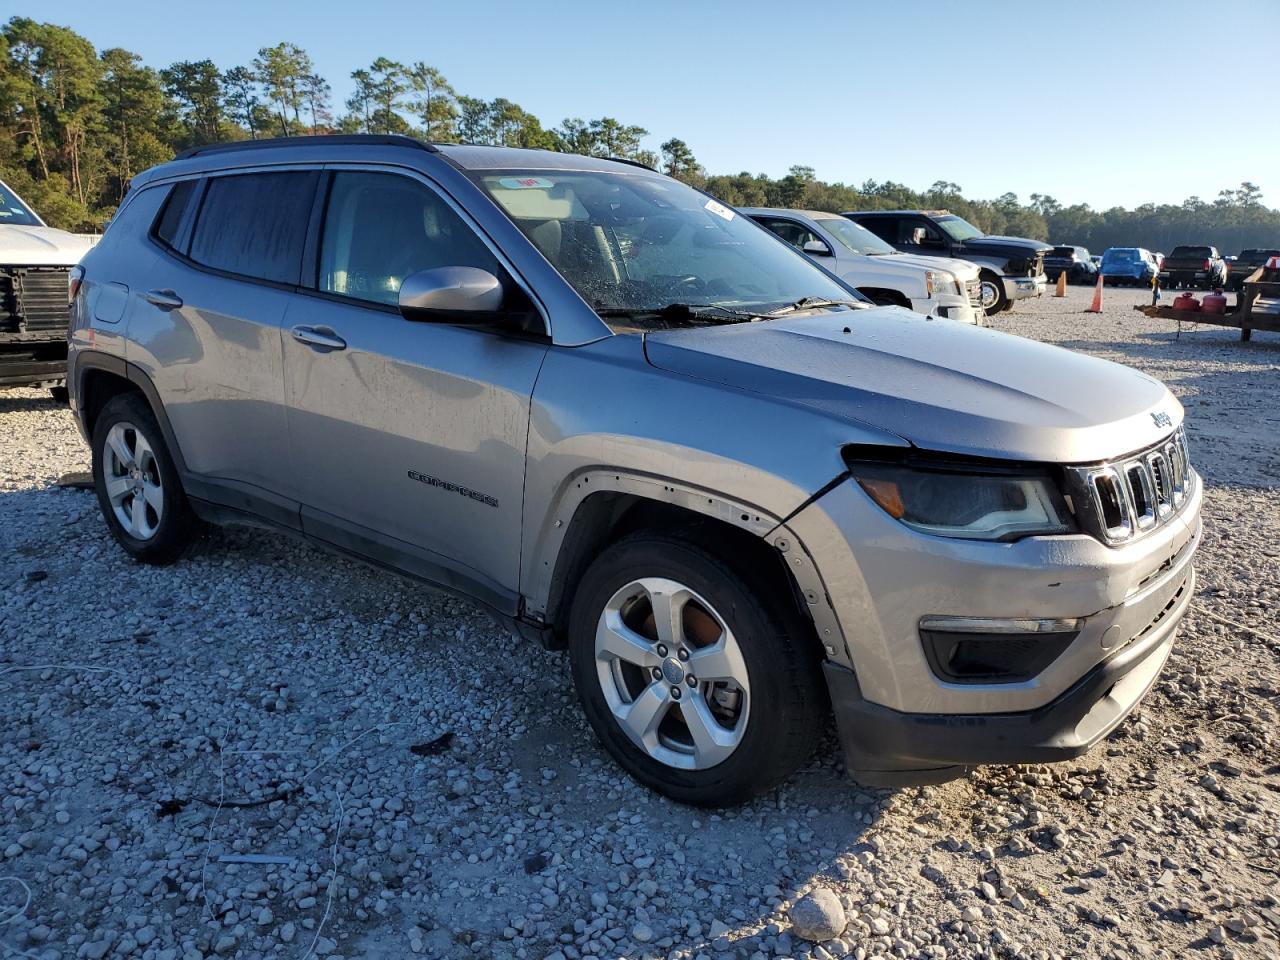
<point>1005,246</point>
<point>22,246</point>
<point>963,269</point>
<point>942,386</point>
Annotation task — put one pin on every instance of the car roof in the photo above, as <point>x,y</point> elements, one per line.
<point>790,212</point>
<point>218,156</point>
<point>891,213</point>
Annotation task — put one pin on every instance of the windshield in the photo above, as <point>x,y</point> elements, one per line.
<point>856,237</point>
<point>958,228</point>
<point>635,244</point>
<point>14,211</point>
<point>1120,255</point>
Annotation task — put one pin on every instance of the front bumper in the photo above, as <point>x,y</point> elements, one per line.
<point>46,365</point>
<point>900,718</point>
<point>949,307</point>
<point>885,747</point>
<point>1020,288</point>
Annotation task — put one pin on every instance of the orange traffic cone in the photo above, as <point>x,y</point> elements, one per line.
<point>1062,285</point>
<point>1096,306</point>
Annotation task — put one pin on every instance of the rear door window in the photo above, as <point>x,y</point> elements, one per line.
<point>886,228</point>
<point>255,224</point>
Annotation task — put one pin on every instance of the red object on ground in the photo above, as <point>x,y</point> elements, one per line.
<point>1186,301</point>
<point>1215,302</point>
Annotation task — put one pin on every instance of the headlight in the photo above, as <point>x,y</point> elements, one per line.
<point>939,281</point>
<point>970,502</point>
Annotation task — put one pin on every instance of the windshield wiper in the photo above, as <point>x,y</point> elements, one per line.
<point>810,303</point>
<point>686,312</point>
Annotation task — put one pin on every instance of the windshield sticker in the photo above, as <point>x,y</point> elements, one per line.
<point>527,183</point>
<point>719,209</point>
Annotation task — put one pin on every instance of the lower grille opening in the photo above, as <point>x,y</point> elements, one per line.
<point>994,657</point>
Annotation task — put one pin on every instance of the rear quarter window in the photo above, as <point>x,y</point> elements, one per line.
<point>255,224</point>
<point>166,229</point>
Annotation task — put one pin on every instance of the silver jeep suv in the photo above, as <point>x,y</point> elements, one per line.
<point>636,425</point>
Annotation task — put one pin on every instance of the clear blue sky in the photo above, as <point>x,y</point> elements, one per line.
<point>1119,102</point>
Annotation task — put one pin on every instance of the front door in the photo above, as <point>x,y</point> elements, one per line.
<point>408,438</point>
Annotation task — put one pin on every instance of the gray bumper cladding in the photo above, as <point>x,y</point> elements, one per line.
<point>885,747</point>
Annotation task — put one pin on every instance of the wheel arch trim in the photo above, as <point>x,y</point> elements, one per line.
<point>87,361</point>
<point>547,566</point>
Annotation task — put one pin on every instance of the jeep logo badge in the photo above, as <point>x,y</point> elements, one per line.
<point>1162,419</point>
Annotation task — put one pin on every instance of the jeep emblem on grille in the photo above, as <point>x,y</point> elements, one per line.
<point>1162,419</point>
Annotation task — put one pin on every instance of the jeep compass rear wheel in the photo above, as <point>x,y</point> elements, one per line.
<point>699,678</point>
<point>138,488</point>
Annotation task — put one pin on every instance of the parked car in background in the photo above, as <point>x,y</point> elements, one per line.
<point>935,286</point>
<point>1194,267</point>
<point>1010,268</point>
<point>35,262</point>
<point>634,425</point>
<point>1074,261</point>
<point>1132,266</point>
<point>1096,259</point>
<point>1246,262</point>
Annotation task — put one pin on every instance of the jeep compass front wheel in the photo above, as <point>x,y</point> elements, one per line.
<point>697,676</point>
<point>138,488</point>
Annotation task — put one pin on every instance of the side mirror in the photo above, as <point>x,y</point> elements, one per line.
<point>816,248</point>
<point>451,295</point>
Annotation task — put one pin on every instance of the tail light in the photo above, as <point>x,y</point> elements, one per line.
<point>74,279</point>
<point>1208,264</point>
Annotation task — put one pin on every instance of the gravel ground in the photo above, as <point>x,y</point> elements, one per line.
<point>429,797</point>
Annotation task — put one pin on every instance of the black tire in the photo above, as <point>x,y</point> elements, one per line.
<point>178,528</point>
<point>990,281</point>
<point>788,703</point>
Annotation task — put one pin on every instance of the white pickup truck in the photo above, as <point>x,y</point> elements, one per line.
<point>935,286</point>
<point>35,263</point>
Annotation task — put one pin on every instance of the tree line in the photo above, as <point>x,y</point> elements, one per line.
<point>76,124</point>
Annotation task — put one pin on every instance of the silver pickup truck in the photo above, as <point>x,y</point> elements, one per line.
<point>633,425</point>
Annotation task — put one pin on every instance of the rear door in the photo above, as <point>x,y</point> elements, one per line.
<point>208,333</point>
<point>408,438</point>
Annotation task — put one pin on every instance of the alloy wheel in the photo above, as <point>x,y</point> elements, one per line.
<point>672,673</point>
<point>133,482</point>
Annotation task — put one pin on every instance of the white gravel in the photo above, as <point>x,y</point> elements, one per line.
<point>140,707</point>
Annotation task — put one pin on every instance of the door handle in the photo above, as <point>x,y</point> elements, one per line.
<point>164,299</point>
<point>321,337</point>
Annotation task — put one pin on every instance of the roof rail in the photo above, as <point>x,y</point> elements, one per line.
<point>327,140</point>
<point>634,163</point>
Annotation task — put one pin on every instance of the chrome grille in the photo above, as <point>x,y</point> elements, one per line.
<point>973,290</point>
<point>1134,495</point>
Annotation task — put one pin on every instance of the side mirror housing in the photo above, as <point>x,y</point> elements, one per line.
<point>816,248</point>
<point>466,295</point>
